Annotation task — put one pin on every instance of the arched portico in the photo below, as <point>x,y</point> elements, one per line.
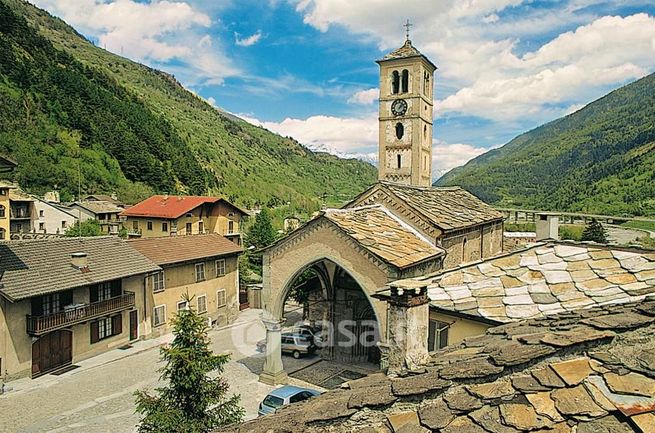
<point>350,270</point>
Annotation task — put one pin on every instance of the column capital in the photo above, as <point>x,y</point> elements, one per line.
<point>271,323</point>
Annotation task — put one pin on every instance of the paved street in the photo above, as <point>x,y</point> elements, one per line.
<point>97,397</point>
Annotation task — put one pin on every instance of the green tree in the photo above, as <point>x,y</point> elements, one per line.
<point>86,228</point>
<point>193,401</point>
<point>594,232</point>
<point>262,233</point>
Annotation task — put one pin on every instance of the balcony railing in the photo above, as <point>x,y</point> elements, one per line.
<point>73,314</point>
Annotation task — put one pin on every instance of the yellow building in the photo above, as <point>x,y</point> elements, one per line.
<point>168,215</point>
<point>5,209</point>
<point>203,266</point>
<point>66,299</point>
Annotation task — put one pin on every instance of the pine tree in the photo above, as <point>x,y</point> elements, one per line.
<point>262,233</point>
<point>594,232</point>
<point>192,401</point>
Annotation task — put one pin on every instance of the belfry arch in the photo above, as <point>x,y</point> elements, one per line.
<point>352,264</point>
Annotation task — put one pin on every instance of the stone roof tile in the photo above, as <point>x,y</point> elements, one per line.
<point>601,391</point>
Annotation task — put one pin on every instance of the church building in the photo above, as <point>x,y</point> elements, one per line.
<point>400,227</point>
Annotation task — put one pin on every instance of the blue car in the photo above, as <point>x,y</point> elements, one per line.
<point>284,395</point>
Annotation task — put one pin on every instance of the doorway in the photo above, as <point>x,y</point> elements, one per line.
<point>134,325</point>
<point>51,351</point>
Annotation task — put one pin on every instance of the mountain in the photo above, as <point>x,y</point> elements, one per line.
<point>600,159</point>
<point>135,130</point>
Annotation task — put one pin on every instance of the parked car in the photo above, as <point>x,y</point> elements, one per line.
<point>285,395</point>
<point>315,334</point>
<point>295,344</point>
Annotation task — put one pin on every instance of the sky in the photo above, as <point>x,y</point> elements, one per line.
<point>306,68</point>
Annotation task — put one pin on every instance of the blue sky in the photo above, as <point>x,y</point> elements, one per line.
<point>306,68</point>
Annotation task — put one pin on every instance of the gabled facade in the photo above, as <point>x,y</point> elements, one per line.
<point>66,299</point>
<point>105,212</point>
<point>164,215</point>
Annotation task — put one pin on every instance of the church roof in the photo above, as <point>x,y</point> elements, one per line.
<point>405,52</point>
<point>382,233</point>
<point>449,208</point>
<point>545,279</point>
<point>585,371</point>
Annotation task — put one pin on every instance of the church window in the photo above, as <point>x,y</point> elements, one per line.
<point>464,250</point>
<point>395,82</point>
<point>426,83</point>
<point>425,132</point>
<point>400,130</point>
<point>405,80</point>
<point>399,159</point>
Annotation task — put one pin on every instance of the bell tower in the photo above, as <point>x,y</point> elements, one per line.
<point>405,117</point>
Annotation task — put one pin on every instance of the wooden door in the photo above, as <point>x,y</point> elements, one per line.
<point>51,351</point>
<point>134,325</point>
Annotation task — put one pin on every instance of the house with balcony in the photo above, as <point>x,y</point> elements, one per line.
<point>105,212</point>
<point>203,266</point>
<point>169,215</point>
<point>66,299</point>
<point>22,212</point>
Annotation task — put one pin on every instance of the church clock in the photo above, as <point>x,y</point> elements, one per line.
<point>399,107</point>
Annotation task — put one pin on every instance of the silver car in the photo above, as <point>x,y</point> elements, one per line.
<point>297,344</point>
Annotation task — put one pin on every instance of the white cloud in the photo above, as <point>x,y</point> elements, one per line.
<point>447,156</point>
<point>248,41</point>
<point>365,97</point>
<point>154,32</point>
<point>479,50</point>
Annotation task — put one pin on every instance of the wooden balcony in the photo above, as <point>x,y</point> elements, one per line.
<point>39,325</point>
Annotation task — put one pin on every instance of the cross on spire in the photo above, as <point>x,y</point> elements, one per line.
<point>407,26</point>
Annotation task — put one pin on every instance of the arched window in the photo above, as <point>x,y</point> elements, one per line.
<point>464,250</point>
<point>405,81</point>
<point>395,82</point>
<point>2,211</point>
<point>425,132</point>
<point>400,130</point>
<point>399,160</point>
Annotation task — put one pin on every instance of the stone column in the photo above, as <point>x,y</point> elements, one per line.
<point>408,326</point>
<point>273,373</point>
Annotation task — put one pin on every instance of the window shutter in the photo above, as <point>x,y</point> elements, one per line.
<point>117,324</point>
<point>95,334</point>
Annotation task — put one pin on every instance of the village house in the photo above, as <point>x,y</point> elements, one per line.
<point>106,213</point>
<point>5,209</point>
<point>66,299</point>
<point>204,267</point>
<point>113,199</point>
<point>169,215</point>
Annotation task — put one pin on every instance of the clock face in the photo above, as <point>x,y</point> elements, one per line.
<point>399,107</point>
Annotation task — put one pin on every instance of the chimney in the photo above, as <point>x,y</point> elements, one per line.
<point>79,261</point>
<point>547,225</point>
<point>408,316</point>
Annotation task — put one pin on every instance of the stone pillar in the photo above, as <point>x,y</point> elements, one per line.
<point>408,326</point>
<point>273,373</point>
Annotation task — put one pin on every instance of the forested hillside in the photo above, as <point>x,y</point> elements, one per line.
<point>135,130</point>
<point>600,159</point>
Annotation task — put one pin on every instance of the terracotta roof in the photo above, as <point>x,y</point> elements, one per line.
<point>172,206</point>
<point>384,234</point>
<point>175,249</point>
<point>589,371</point>
<point>544,279</point>
<point>35,267</point>
<point>167,206</point>
<point>99,206</point>
<point>448,208</point>
<point>405,52</point>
